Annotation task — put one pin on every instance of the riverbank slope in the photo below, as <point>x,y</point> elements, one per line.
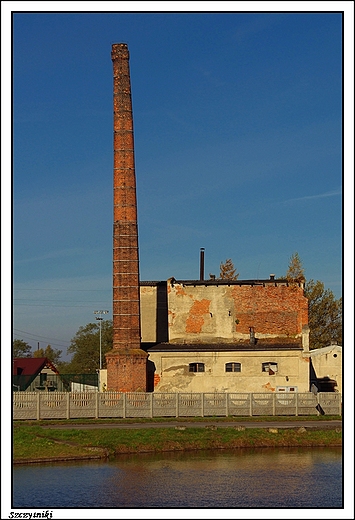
<point>51,441</point>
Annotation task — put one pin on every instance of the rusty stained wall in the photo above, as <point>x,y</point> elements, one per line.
<point>172,371</point>
<point>215,313</point>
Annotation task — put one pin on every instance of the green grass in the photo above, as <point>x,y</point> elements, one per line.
<point>32,442</point>
<point>142,420</point>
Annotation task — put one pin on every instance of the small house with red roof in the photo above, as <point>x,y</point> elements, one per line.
<point>34,374</point>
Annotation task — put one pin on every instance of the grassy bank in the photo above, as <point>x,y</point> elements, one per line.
<point>32,443</point>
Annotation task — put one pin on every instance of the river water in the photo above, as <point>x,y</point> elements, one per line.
<point>244,478</point>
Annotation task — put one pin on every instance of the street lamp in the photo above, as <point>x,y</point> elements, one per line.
<point>99,318</point>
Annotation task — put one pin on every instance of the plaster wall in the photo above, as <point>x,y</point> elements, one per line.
<point>148,303</point>
<point>327,362</point>
<point>172,371</point>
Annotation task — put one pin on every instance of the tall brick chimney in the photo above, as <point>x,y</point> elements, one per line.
<point>126,362</point>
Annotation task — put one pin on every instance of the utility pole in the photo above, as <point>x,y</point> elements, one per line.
<point>100,318</point>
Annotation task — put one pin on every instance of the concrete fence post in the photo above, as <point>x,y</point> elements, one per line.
<point>97,405</point>
<point>68,405</point>
<point>124,405</point>
<point>38,405</point>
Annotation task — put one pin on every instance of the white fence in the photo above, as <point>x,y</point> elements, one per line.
<point>75,405</point>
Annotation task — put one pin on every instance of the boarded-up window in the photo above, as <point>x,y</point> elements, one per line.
<point>269,367</point>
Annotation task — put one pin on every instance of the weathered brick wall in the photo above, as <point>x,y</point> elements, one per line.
<point>127,371</point>
<point>271,310</point>
<point>226,313</point>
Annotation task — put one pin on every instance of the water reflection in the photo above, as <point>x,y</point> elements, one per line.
<point>225,479</point>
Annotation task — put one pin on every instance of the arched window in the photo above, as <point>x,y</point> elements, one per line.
<point>233,367</point>
<point>196,367</point>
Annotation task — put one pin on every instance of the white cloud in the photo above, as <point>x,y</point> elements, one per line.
<point>332,193</point>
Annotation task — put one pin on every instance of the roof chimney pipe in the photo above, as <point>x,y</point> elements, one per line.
<point>202,263</point>
<point>252,335</point>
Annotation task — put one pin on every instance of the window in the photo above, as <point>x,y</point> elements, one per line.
<point>233,367</point>
<point>269,367</point>
<point>196,367</point>
<point>286,389</point>
<point>43,379</point>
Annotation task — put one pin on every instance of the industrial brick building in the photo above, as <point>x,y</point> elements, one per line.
<point>193,335</point>
<point>225,336</point>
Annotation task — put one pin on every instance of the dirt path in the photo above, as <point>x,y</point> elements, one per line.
<point>320,425</point>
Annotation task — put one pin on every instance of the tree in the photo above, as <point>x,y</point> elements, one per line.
<point>21,349</point>
<point>324,315</point>
<point>50,353</point>
<point>227,270</point>
<point>85,347</point>
<point>295,272</point>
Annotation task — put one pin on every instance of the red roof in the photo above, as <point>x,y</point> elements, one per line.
<point>31,366</point>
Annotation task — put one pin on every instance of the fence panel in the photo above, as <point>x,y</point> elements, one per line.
<point>286,403</point>
<point>111,404</point>
<point>215,404</point>
<point>330,402</point>
<point>24,405</point>
<point>52,405</point>
<point>239,404</point>
<point>164,405</point>
<point>263,404</point>
<point>138,404</point>
<point>82,404</point>
<point>190,405</point>
<point>307,404</point>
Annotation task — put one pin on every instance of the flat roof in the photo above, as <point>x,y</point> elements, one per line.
<point>215,282</point>
<point>226,347</point>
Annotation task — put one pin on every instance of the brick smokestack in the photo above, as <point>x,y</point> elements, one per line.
<point>126,362</point>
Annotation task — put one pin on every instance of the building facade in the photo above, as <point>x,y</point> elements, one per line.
<point>225,336</point>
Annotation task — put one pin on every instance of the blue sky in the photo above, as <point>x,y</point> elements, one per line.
<point>238,149</point>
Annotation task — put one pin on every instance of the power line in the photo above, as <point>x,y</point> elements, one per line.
<point>38,336</point>
<point>71,301</point>
<point>45,305</point>
<point>48,342</point>
<point>65,290</point>
<point>37,340</point>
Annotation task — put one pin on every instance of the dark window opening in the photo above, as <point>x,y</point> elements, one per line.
<point>233,367</point>
<point>196,367</point>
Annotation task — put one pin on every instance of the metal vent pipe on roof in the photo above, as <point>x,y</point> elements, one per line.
<point>252,335</point>
<point>202,263</point>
